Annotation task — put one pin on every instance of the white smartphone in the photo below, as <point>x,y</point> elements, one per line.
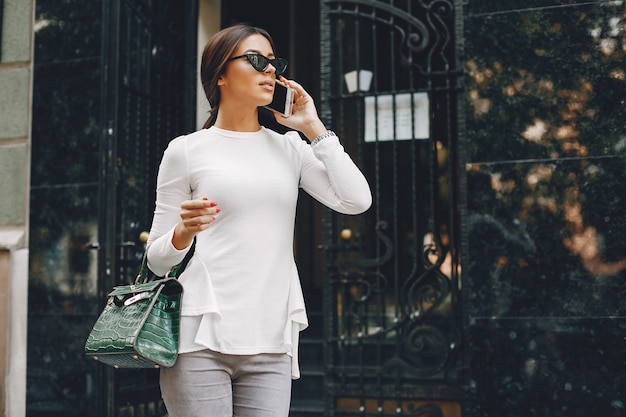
<point>283,99</point>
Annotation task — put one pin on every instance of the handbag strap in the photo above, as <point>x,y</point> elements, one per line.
<point>178,269</point>
<point>146,275</point>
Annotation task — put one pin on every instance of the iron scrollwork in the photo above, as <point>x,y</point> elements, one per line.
<point>430,289</point>
<point>381,227</point>
<point>425,352</point>
<point>428,36</point>
<point>393,324</point>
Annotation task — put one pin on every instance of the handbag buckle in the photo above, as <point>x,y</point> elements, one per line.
<point>137,297</point>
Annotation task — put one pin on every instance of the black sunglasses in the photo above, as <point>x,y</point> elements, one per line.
<point>260,62</point>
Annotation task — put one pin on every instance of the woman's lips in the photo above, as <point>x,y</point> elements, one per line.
<point>268,85</point>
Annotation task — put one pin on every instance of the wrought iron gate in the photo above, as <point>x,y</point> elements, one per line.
<point>391,85</point>
<point>148,98</point>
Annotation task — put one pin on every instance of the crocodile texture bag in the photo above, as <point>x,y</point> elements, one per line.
<point>138,327</point>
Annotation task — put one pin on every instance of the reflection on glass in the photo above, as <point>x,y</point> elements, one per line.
<point>64,207</point>
<point>547,261</point>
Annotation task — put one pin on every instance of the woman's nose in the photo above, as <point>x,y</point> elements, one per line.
<point>270,67</point>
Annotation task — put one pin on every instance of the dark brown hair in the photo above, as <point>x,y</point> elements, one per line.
<point>218,50</point>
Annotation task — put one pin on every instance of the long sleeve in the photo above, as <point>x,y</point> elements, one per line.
<point>330,176</point>
<point>173,187</point>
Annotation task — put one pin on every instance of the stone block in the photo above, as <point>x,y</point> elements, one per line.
<point>14,102</point>
<point>13,186</point>
<point>17,33</point>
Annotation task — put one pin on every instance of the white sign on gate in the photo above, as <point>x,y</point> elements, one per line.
<point>410,117</point>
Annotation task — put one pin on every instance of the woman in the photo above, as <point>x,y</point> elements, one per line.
<point>233,186</point>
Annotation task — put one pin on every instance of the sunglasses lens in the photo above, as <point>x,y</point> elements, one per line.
<point>260,63</point>
<point>280,65</point>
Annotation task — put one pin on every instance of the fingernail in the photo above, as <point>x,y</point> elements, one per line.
<point>217,210</point>
<point>213,204</point>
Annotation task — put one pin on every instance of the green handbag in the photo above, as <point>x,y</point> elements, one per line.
<point>139,326</point>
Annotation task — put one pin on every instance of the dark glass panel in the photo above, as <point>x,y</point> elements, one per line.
<point>62,301</point>
<point>546,265</point>
<point>545,82</point>
<point>545,238</point>
<point>64,208</point>
<point>547,367</point>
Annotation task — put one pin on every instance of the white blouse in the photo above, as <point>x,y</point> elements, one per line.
<point>242,294</point>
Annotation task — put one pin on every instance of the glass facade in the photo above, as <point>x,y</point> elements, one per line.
<point>546,156</point>
<point>64,207</point>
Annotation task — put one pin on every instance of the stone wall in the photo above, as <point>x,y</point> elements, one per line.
<point>16,69</point>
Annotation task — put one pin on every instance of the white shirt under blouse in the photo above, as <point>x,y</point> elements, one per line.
<point>242,294</point>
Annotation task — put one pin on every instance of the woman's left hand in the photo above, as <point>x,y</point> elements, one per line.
<point>304,117</point>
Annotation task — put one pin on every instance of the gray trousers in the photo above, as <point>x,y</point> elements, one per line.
<point>212,384</point>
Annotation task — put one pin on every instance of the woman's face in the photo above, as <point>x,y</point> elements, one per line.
<point>243,85</point>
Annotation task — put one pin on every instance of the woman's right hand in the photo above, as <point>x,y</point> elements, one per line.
<point>196,216</point>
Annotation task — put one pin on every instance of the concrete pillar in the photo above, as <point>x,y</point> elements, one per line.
<point>209,22</point>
